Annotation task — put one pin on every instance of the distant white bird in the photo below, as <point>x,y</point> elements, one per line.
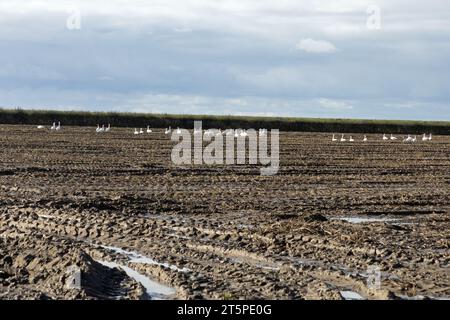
<point>392,137</point>
<point>178,131</point>
<point>384,137</point>
<point>414,139</point>
<point>351,139</point>
<point>430,137</point>
<point>365,138</point>
<point>408,138</point>
<point>343,139</point>
<point>141,131</point>
<point>108,128</point>
<point>53,127</point>
<point>58,127</point>
<point>136,131</point>
<point>40,127</point>
<point>243,133</point>
<point>149,130</point>
<point>334,139</point>
<point>168,130</point>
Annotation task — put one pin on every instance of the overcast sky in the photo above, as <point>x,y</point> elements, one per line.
<point>281,57</point>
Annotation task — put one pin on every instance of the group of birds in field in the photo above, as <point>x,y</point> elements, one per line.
<point>218,132</point>
<point>409,138</point>
<point>142,131</point>
<point>54,127</point>
<point>243,133</point>
<point>102,128</point>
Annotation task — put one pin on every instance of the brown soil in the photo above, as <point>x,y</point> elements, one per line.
<point>220,232</point>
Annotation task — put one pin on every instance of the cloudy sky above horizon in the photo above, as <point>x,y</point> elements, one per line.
<point>245,57</point>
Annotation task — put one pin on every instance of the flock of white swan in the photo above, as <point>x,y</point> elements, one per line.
<point>243,133</point>
<point>409,138</point>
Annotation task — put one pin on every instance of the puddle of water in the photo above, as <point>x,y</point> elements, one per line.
<point>364,219</point>
<point>351,295</point>
<point>154,290</point>
<point>45,216</point>
<point>139,258</point>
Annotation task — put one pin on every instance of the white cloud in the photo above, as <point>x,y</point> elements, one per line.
<point>315,46</point>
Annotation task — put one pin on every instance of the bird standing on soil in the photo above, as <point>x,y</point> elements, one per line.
<point>53,127</point>
<point>168,130</point>
<point>343,139</point>
<point>351,139</point>
<point>365,139</point>
<point>334,139</point>
<point>392,137</point>
<point>149,130</point>
<point>58,127</point>
<point>136,131</point>
<point>141,131</point>
<point>384,137</point>
<point>108,128</point>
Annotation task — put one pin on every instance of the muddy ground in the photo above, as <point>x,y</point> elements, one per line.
<point>112,205</point>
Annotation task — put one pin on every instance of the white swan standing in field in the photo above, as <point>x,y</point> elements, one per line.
<point>53,127</point>
<point>365,138</point>
<point>168,130</point>
<point>414,139</point>
<point>178,131</point>
<point>351,139</point>
<point>136,131</point>
<point>141,131</point>
<point>385,137</point>
<point>408,138</point>
<point>334,139</point>
<point>343,139</point>
<point>40,127</point>
<point>58,127</point>
<point>107,129</point>
<point>392,137</point>
<point>149,130</point>
<point>430,137</point>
